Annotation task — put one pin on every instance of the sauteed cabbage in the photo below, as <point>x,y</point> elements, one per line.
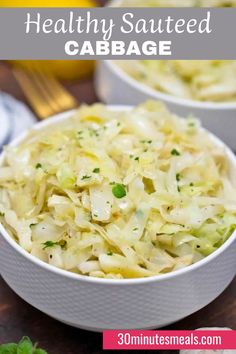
<point>208,80</point>
<point>201,80</point>
<point>118,194</point>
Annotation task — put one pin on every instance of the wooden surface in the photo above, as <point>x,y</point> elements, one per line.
<point>17,318</point>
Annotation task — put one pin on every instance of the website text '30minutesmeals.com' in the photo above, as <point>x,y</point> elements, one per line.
<point>163,340</point>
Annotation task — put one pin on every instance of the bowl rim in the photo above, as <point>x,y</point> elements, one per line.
<point>158,95</point>
<point>99,281</point>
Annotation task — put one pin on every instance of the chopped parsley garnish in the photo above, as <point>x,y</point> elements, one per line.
<point>62,244</point>
<point>49,244</point>
<point>191,124</point>
<point>175,152</point>
<point>32,225</point>
<point>38,165</point>
<point>135,229</point>
<point>178,177</point>
<point>191,184</point>
<point>118,190</point>
<point>2,214</point>
<point>85,177</point>
<point>96,170</point>
<point>137,158</point>
<point>178,188</point>
<point>146,141</point>
<point>110,253</point>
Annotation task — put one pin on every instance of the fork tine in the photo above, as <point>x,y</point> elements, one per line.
<point>42,87</point>
<point>57,92</point>
<point>45,94</point>
<point>32,94</point>
<point>55,89</point>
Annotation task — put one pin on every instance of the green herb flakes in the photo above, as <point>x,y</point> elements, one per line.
<point>32,225</point>
<point>38,165</point>
<point>178,177</point>
<point>175,152</point>
<point>85,177</point>
<point>48,244</point>
<point>118,190</point>
<point>62,244</point>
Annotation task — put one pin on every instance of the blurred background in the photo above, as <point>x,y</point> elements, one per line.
<point>71,80</point>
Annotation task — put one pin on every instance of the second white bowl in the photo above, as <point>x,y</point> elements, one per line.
<point>114,86</point>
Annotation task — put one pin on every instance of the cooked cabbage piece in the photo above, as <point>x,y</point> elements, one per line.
<point>119,194</point>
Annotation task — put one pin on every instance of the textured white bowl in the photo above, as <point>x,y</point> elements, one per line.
<point>114,86</point>
<point>98,304</point>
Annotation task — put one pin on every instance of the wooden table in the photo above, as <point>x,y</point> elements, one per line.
<point>17,318</point>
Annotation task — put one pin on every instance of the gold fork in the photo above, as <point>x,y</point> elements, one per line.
<point>44,93</point>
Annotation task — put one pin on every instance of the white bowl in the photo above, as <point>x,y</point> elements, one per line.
<point>114,86</point>
<point>98,304</point>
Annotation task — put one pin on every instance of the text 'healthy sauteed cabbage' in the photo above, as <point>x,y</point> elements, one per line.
<point>204,80</point>
<point>116,194</point>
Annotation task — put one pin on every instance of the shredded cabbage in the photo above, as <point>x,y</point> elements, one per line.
<point>200,80</point>
<point>118,194</point>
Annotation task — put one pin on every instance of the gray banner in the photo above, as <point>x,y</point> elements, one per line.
<point>55,33</point>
